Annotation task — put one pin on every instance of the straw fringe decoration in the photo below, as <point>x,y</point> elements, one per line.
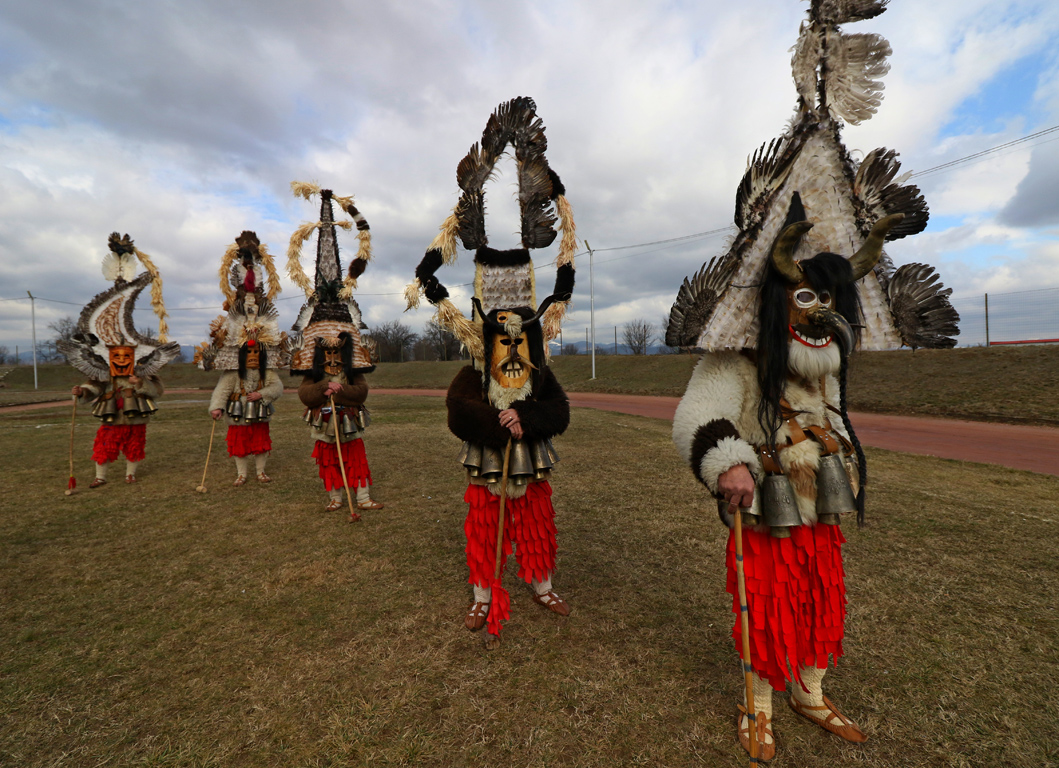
<point>156,294</point>
<point>469,333</point>
<point>568,244</point>
<point>412,292</point>
<point>363,254</point>
<point>294,255</point>
<point>304,189</point>
<point>274,288</point>
<point>445,241</point>
<point>229,258</point>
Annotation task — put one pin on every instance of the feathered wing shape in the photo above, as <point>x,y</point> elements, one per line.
<point>119,266</point>
<point>855,66</point>
<point>82,357</point>
<point>765,171</point>
<point>882,193</point>
<point>844,11</point>
<point>921,309</point>
<point>696,301</point>
<point>152,363</point>
<point>807,53</point>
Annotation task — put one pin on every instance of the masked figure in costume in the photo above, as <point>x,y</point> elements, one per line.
<point>120,362</point>
<point>763,423</point>
<point>509,401</point>
<point>329,353</point>
<point>248,347</point>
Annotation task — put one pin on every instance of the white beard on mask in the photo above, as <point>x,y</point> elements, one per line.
<point>501,398</point>
<point>813,362</point>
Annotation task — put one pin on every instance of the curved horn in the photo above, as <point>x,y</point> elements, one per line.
<point>541,309</point>
<point>782,255</point>
<point>485,319</point>
<point>864,260</point>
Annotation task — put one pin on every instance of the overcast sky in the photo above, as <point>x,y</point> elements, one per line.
<point>183,123</point>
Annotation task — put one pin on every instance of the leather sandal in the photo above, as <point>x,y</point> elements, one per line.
<point>334,505</point>
<point>830,719</point>
<point>765,750</point>
<point>476,616</point>
<point>263,478</point>
<point>97,482</point>
<point>552,602</point>
<point>370,504</point>
<point>130,479</point>
<point>239,481</point>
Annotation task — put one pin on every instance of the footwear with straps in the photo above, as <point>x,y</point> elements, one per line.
<point>552,602</point>
<point>370,504</point>
<point>766,742</point>
<point>476,616</point>
<point>263,478</point>
<point>239,481</point>
<point>830,719</point>
<point>99,481</point>
<point>334,505</point>
<point>130,479</point>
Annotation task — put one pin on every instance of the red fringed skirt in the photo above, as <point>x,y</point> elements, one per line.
<point>796,595</point>
<point>353,457</point>
<point>112,439</point>
<point>529,524</point>
<point>249,439</point>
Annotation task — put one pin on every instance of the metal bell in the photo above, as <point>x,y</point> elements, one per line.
<point>149,405</point>
<point>130,407</point>
<point>834,495</point>
<point>235,410</point>
<point>778,506</point>
<point>252,411</point>
<point>109,411</point>
<point>521,462</point>
<point>317,420</point>
<point>349,426</point>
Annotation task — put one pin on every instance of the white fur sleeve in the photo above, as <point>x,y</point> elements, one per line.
<point>225,387</point>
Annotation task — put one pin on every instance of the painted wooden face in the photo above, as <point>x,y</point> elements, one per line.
<point>511,357</point>
<point>122,361</point>
<point>802,301</point>
<point>332,362</point>
<point>253,357</point>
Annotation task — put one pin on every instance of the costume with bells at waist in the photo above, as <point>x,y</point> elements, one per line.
<point>508,405</point>
<point>121,362</point>
<point>247,346</point>
<point>763,423</point>
<point>329,353</point>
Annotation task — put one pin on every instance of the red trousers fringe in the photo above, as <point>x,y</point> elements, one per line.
<point>529,524</point>
<point>249,439</point>
<point>354,458</point>
<point>796,595</point>
<point>112,439</point>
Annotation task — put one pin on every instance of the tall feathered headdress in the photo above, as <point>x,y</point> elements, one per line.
<point>502,278</point>
<point>837,76</point>
<point>329,309</point>
<point>246,269</point>
<point>106,321</point>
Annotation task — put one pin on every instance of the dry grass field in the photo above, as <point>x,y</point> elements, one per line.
<point>1009,384</point>
<point>149,625</point>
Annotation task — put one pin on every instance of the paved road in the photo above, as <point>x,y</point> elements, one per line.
<point>1031,448</point>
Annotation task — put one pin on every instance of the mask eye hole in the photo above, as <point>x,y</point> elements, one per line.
<point>506,342</point>
<point>825,298</point>
<point>804,297</point>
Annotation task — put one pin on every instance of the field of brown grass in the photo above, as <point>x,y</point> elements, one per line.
<point>1007,384</point>
<point>149,625</point>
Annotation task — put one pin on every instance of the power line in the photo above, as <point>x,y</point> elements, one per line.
<point>985,152</point>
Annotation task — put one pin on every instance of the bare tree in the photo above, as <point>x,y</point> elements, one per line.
<point>436,343</point>
<point>638,335</point>
<point>395,341</point>
<point>4,354</point>
<point>571,349</point>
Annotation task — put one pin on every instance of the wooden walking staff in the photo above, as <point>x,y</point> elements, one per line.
<point>744,619</point>
<point>71,485</point>
<point>353,516</point>
<point>202,486</point>
<point>500,600</point>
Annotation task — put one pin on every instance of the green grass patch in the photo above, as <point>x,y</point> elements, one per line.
<point>150,625</point>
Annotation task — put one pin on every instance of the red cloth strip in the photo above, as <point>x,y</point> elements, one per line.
<point>354,458</point>
<point>796,596</point>
<point>112,439</point>
<point>529,525</point>
<point>249,439</point>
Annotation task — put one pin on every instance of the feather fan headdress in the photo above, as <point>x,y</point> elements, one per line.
<point>246,268</point>
<point>329,309</point>
<point>837,76</point>
<point>502,278</point>
<point>106,321</point>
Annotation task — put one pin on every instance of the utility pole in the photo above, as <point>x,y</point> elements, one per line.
<point>33,318</point>
<point>615,339</point>
<point>592,306</point>
<point>987,319</point>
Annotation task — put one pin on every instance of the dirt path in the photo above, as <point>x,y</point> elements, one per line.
<point>1031,448</point>
<point>1035,449</point>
